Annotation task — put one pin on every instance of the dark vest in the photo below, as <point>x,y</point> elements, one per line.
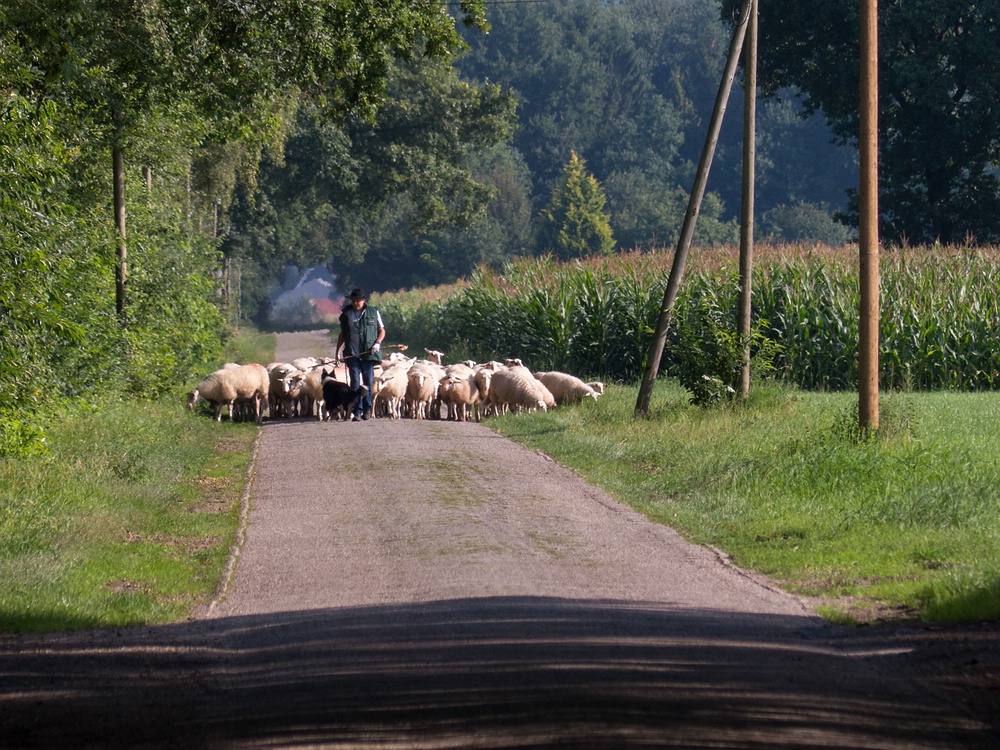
<point>367,332</point>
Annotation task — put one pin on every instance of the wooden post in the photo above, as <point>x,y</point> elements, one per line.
<point>868,234</point>
<point>746,210</point>
<point>655,353</point>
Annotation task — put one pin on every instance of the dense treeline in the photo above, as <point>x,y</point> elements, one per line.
<point>129,134</point>
<point>163,163</point>
<point>597,318</point>
<point>627,87</point>
<point>939,129</point>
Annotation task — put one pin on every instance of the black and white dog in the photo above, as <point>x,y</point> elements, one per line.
<point>339,398</point>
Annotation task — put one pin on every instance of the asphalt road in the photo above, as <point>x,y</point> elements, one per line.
<point>419,584</point>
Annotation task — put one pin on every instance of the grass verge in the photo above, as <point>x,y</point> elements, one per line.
<point>128,520</point>
<point>129,516</point>
<point>904,524</point>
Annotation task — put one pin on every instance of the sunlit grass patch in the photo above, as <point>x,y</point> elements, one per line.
<point>900,523</point>
<point>115,525</point>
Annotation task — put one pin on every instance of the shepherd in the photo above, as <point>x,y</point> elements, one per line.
<point>359,343</point>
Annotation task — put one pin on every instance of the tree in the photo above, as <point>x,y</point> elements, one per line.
<point>358,195</point>
<point>121,59</point>
<point>938,121</point>
<point>630,87</point>
<point>575,224</point>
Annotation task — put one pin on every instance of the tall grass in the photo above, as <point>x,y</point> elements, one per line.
<point>412,317</point>
<point>940,308</point>
<point>249,345</point>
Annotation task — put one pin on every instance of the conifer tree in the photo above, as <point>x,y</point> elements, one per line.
<point>575,223</point>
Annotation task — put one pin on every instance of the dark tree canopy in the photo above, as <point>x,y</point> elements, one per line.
<point>939,124</point>
<point>629,86</point>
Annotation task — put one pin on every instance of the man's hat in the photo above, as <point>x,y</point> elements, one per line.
<point>357,294</point>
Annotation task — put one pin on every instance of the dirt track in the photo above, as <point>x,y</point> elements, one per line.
<point>430,584</point>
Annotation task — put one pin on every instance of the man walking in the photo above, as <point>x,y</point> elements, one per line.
<point>359,342</point>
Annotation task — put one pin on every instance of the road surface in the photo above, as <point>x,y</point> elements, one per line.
<point>422,584</point>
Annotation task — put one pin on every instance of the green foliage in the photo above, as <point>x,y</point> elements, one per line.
<point>575,223</point>
<point>383,198</point>
<point>597,318</point>
<point>939,130</point>
<point>249,345</point>
<point>803,222</point>
<point>413,322</point>
<point>708,353</point>
<point>630,87</point>
<point>552,316</point>
<point>192,95</point>
<point>935,326</point>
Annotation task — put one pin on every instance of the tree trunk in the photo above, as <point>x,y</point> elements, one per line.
<point>118,169</point>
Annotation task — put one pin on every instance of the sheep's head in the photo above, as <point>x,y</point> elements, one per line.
<point>193,397</point>
<point>292,385</point>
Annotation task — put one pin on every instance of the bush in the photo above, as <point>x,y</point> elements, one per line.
<point>709,354</point>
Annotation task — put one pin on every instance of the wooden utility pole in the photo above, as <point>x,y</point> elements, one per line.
<point>743,324</point>
<point>868,235</point>
<point>655,353</point>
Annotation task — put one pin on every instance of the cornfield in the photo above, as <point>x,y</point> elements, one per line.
<point>940,310</point>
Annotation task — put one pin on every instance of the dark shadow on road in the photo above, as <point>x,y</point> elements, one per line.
<point>498,672</point>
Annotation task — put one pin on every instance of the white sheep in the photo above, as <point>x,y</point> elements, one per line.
<point>483,377</point>
<point>566,388</point>
<point>398,357</point>
<point>227,386</point>
<point>391,392</point>
<point>543,391</point>
<point>460,369</point>
<point>461,395</point>
<point>422,389</point>
<point>279,393</point>
<point>514,391</point>
<point>304,363</point>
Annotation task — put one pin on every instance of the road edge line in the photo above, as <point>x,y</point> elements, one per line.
<point>241,531</point>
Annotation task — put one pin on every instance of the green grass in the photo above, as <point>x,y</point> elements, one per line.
<point>250,345</point>
<point>127,518</point>
<point>902,524</point>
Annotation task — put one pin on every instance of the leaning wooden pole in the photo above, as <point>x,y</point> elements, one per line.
<point>743,323</point>
<point>658,343</point>
<point>868,235</point>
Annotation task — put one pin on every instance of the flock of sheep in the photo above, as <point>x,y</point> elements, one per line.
<point>405,387</point>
